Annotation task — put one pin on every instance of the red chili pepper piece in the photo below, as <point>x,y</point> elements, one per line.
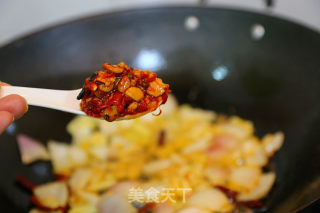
<point>232,195</point>
<point>118,101</point>
<point>255,204</point>
<point>162,137</point>
<point>25,182</point>
<point>148,207</point>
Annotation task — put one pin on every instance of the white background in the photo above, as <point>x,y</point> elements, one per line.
<point>20,17</point>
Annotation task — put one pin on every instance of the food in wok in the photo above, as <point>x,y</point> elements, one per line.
<point>185,160</point>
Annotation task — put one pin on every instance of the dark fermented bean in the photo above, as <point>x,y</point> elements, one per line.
<point>81,94</point>
<point>93,76</point>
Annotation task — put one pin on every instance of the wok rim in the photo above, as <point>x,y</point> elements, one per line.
<point>80,19</point>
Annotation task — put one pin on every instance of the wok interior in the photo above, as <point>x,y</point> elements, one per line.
<point>273,81</point>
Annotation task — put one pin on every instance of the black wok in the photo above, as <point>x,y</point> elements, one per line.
<point>274,81</point>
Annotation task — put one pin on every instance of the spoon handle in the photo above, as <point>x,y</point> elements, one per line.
<point>64,100</point>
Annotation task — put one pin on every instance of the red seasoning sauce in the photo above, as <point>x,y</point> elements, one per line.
<point>122,92</point>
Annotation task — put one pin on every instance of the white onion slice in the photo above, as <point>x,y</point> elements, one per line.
<point>52,195</point>
<point>31,150</point>
<point>59,154</point>
<point>272,142</point>
<point>210,199</point>
<point>79,179</point>
<point>265,185</point>
<point>245,178</point>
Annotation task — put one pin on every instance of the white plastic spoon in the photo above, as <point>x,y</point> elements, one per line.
<point>64,100</point>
